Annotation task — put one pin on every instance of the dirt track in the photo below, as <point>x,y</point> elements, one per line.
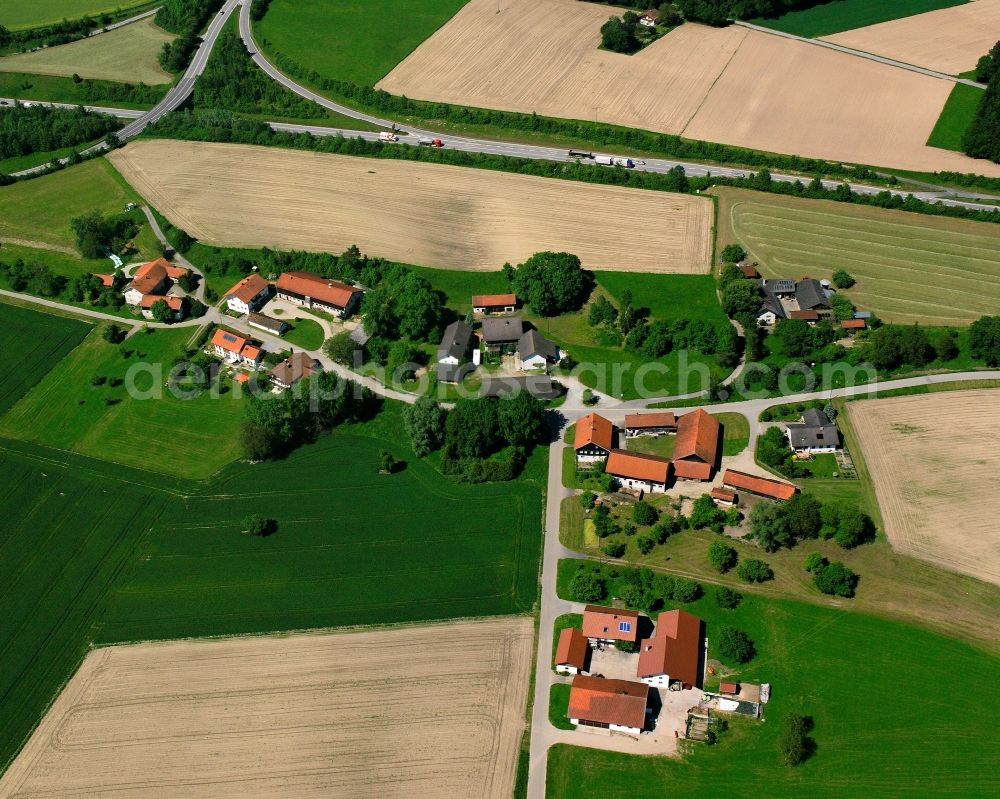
<point>421,711</point>
<point>933,459</point>
<point>948,40</point>
<point>726,85</point>
<point>426,214</point>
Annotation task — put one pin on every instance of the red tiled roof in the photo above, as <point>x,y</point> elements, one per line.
<point>149,276</point>
<point>241,377</point>
<point>724,494</point>
<point>728,687</point>
<point>572,648</point>
<point>808,316</point>
<point>248,288</point>
<point>697,437</point>
<point>675,648</point>
<point>758,485</point>
<point>602,622</point>
<point>617,702</point>
<point>228,341</point>
<point>692,470</point>
<point>638,466</point>
<point>593,429</point>
<point>642,421</point>
<point>493,300</point>
<point>252,352</point>
<point>853,324</point>
<point>106,280</point>
<point>149,300</point>
<point>306,284</point>
<point>749,270</point>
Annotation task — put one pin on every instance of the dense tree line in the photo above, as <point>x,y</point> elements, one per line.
<point>777,526</point>
<point>231,80</point>
<point>259,9</point>
<point>982,139</point>
<point>40,129</point>
<point>719,12</point>
<point>984,340</point>
<point>185,18</point>
<point>227,127</point>
<point>96,233</point>
<point>277,424</point>
<point>54,34</point>
<point>483,439</point>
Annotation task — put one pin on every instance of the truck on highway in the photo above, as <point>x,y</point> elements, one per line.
<point>614,160</point>
<point>386,135</point>
<point>430,142</point>
<point>580,154</point>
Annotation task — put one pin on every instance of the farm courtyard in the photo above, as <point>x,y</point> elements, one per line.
<point>421,711</point>
<point>942,507</point>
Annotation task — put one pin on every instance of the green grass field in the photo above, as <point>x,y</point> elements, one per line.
<point>95,553</point>
<point>423,547</point>
<point>18,14</point>
<point>187,438</point>
<point>304,334</point>
<point>844,15</point>
<point>956,116</point>
<point>127,54</point>
<point>64,90</point>
<point>909,268</point>
<point>884,726</point>
<point>32,338</point>
<point>347,39</point>
<point>40,210</point>
<point>66,537</point>
<point>735,432</point>
<point>558,705</point>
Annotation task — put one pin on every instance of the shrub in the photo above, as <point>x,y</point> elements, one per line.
<point>645,544</point>
<point>843,279</point>
<point>255,524</point>
<point>644,514</point>
<point>686,590</point>
<point>794,743</point>
<point>836,579</point>
<point>113,334</point>
<point>722,556</point>
<point>727,598</point>
<point>629,647</point>
<point>735,645</point>
<point>733,253</point>
<point>614,549</point>
<point>586,587</point>
<point>705,513</point>
<point>587,499</point>
<point>754,571</point>
<point>814,562</point>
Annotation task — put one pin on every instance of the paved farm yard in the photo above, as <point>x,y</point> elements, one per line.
<point>943,506</point>
<point>909,268</point>
<point>418,213</point>
<point>424,711</point>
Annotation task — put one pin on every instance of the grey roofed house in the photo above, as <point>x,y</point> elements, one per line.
<point>539,386</point>
<point>502,329</point>
<point>294,368</point>
<point>534,343</point>
<point>862,314</point>
<point>455,342</point>
<point>810,294</point>
<point>267,323</point>
<point>781,285</point>
<point>815,431</point>
<point>360,336</point>
<point>772,304</point>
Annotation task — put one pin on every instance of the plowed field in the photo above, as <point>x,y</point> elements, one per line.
<point>418,213</point>
<point>933,458</point>
<point>948,40</point>
<point>423,711</point>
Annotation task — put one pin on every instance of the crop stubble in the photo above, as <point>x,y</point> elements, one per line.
<point>948,40</point>
<point>933,459</point>
<point>731,85</point>
<point>419,213</point>
<point>420,711</point>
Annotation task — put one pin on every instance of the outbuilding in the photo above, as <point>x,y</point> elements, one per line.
<point>650,424</point>
<point>494,303</point>
<point>639,472</point>
<point>315,291</point>
<point>572,651</point>
<point>615,705</point>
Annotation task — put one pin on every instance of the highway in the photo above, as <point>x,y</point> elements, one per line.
<point>409,135</point>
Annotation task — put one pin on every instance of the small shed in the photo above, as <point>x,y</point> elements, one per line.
<point>731,688</point>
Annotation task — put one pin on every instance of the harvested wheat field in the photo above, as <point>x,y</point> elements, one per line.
<point>948,40</point>
<point>420,711</point>
<point>730,85</point>
<point>427,214</point>
<point>543,56</point>
<point>934,460</point>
